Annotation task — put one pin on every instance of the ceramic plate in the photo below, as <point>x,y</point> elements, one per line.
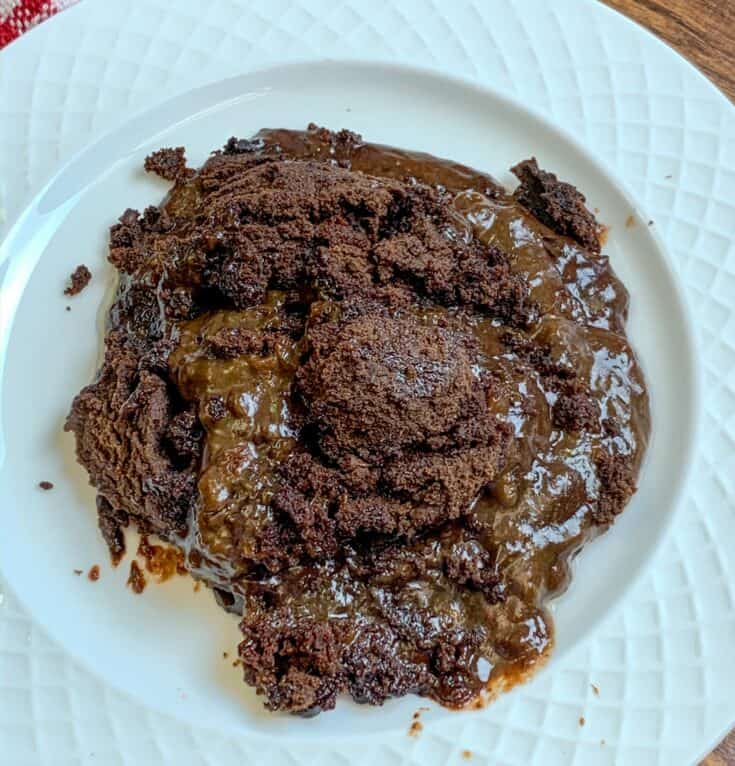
<point>598,101</point>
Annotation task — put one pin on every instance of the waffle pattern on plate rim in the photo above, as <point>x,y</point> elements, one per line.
<point>665,662</point>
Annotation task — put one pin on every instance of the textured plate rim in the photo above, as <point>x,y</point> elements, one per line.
<point>630,31</point>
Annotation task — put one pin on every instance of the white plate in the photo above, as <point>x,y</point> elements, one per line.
<point>654,665</point>
<point>136,643</point>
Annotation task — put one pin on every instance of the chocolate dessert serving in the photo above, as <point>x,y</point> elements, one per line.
<point>377,401</point>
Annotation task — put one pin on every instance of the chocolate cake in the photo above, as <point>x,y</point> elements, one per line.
<point>78,280</point>
<point>377,401</point>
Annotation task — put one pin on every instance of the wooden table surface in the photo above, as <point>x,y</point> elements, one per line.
<point>704,32</point>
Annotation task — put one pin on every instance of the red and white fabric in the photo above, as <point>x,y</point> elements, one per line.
<point>18,16</point>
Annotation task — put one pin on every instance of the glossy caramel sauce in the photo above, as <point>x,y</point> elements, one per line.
<point>534,517</point>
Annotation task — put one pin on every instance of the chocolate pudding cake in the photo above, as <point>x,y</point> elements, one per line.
<point>376,400</point>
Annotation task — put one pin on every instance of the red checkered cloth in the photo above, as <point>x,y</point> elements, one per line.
<point>18,16</point>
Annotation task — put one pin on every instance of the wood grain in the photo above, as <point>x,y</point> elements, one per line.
<point>704,32</point>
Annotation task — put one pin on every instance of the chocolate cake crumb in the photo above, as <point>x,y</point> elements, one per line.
<point>184,435</point>
<point>112,526</point>
<point>94,573</point>
<point>78,280</point>
<point>308,650</point>
<point>557,204</point>
<point>617,484</point>
<point>574,408</point>
<point>168,163</point>
<point>47,485</point>
<point>136,579</point>
<point>216,408</point>
<point>333,391</point>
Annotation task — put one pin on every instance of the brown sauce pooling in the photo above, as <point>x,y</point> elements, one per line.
<point>162,561</point>
<point>377,403</point>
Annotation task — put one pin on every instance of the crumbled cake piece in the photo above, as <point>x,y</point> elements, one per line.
<point>78,280</point>
<point>112,526</point>
<point>556,203</point>
<point>332,370</point>
<point>168,163</point>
